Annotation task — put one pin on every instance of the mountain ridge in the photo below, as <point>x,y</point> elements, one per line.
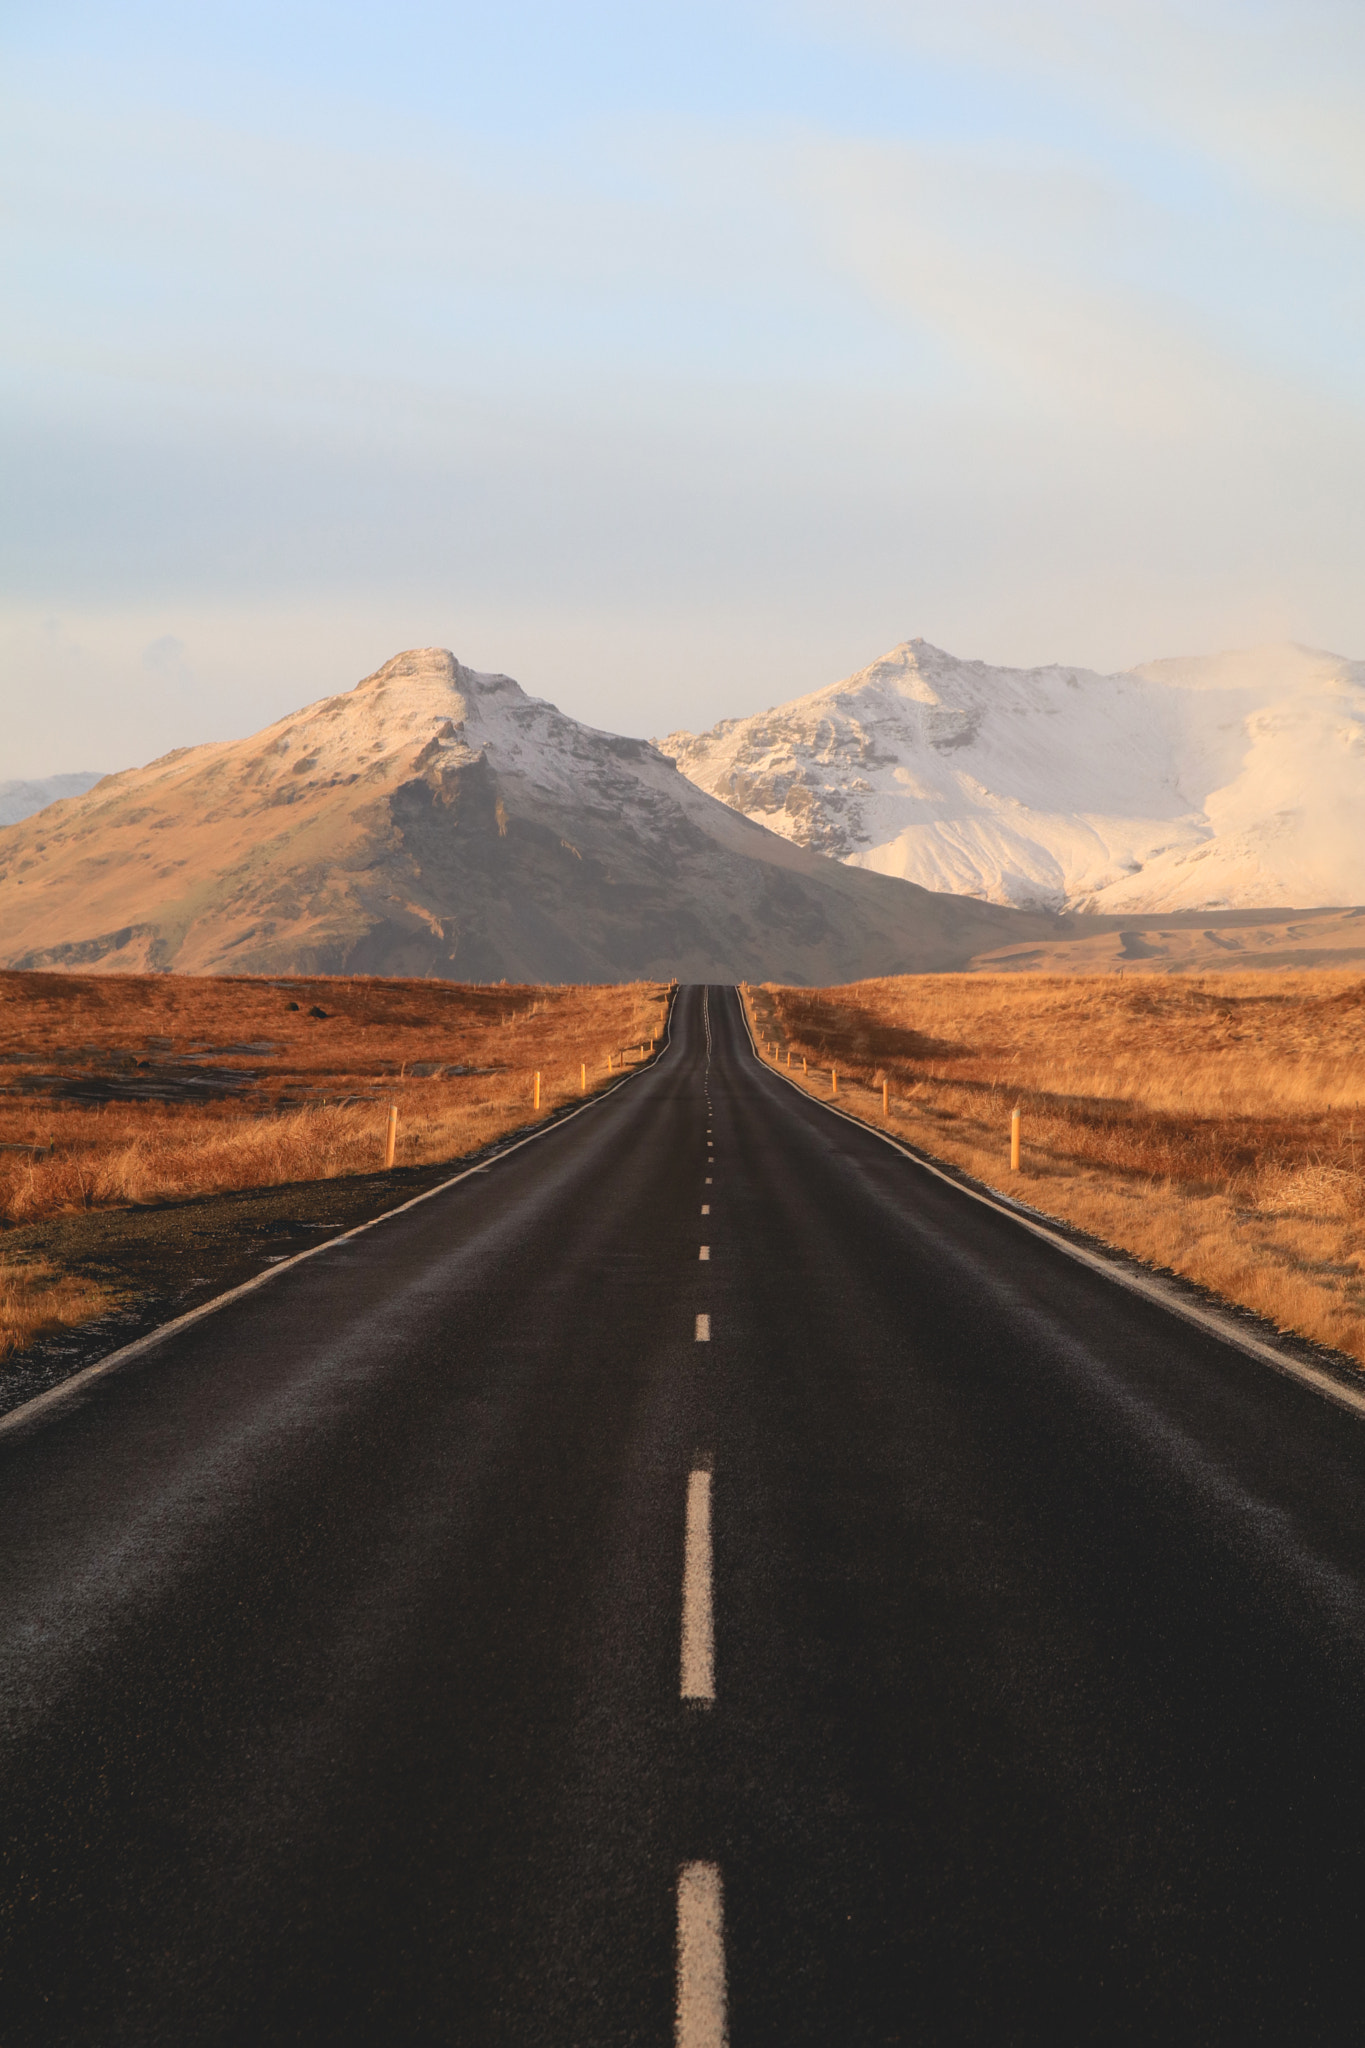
<point>1202,782</point>
<point>435,819</point>
<point>21,799</point>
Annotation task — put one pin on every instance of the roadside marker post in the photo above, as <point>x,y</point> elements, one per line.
<point>834,1080</point>
<point>1014,1142</point>
<point>537,1100</point>
<point>391,1136</point>
<point>583,1077</point>
<point>886,1100</point>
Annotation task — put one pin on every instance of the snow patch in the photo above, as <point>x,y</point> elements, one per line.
<point>1225,780</point>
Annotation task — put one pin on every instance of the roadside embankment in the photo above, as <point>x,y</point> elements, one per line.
<point>1211,1127</point>
<point>140,1094</point>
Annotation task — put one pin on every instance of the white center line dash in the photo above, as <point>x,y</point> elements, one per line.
<point>701,2021</point>
<point>704,1252</point>
<point>703,1329</point>
<point>706,1208</point>
<point>698,1629</point>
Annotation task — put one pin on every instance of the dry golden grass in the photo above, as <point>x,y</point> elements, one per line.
<point>120,1089</point>
<point>36,1298</point>
<point>314,1092</point>
<point>1214,1126</point>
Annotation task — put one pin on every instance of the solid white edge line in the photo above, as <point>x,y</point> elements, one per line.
<point>697,1667</point>
<point>701,2019</point>
<point>66,1389</point>
<point>1149,1286</point>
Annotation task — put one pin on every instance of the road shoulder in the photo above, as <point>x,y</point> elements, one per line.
<point>1333,1374</point>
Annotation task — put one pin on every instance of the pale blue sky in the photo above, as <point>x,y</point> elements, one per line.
<point>673,359</point>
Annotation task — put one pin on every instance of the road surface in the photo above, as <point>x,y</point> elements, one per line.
<point>514,1625</point>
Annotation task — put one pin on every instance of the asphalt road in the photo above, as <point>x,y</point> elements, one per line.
<point>344,1637</point>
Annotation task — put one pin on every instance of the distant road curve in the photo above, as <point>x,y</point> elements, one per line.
<point>702,1577</point>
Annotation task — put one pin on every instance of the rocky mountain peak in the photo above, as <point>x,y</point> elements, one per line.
<point>423,664</point>
<point>1227,780</point>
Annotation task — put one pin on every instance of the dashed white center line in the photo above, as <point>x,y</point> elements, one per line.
<point>708,1180</point>
<point>698,1633</point>
<point>704,1252</point>
<point>706,1208</point>
<point>703,1329</point>
<point>701,1958</point>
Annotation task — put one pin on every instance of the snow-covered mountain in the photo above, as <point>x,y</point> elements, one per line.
<point>1236,779</point>
<point>434,820</point>
<point>21,799</point>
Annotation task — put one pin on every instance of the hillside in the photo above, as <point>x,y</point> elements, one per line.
<point>1234,780</point>
<point>437,821</point>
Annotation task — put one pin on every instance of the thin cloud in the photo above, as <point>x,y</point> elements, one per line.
<point>1272,93</point>
<point>735,352</point>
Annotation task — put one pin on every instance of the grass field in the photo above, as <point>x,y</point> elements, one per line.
<point>119,1089</point>
<point>1214,1126</point>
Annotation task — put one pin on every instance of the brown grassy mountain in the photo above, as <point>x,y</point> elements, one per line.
<point>435,821</point>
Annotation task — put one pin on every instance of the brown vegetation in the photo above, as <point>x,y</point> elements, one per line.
<point>1213,1126</point>
<point>36,1297</point>
<point>119,1089</point>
